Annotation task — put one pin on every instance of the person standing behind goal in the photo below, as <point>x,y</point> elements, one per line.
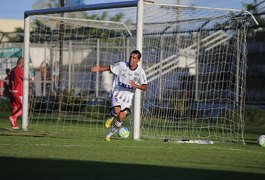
<point>15,85</point>
<point>128,77</point>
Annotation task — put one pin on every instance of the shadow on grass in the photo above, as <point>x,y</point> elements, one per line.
<point>14,168</point>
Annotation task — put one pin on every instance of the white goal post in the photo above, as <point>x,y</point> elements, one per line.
<point>194,58</point>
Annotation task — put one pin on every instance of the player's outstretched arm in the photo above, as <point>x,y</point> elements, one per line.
<point>99,68</point>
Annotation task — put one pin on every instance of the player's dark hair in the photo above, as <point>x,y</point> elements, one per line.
<point>138,53</point>
<point>20,59</point>
<point>7,70</point>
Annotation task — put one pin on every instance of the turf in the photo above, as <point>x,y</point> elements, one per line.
<point>36,155</point>
<point>43,157</point>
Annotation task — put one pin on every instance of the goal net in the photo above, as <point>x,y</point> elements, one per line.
<point>196,71</point>
<point>194,58</point>
<point>67,97</point>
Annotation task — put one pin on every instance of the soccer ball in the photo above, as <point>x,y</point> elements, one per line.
<point>123,132</point>
<point>261,140</point>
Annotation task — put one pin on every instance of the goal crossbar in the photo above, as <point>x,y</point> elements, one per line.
<point>81,8</point>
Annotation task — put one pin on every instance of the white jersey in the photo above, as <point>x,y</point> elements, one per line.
<point>121,89</point>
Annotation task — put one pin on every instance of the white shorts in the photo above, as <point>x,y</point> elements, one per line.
<point>122,99</point>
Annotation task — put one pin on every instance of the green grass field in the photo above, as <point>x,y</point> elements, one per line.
<point>32,155</point>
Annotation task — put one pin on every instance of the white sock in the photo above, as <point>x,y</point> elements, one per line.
<point>114,128</point>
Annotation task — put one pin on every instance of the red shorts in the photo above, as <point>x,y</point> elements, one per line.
<point>15,100</point>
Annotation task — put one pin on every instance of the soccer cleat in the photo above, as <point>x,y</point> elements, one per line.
<point>108,122</point>
<point>13,122</point>
<point>15,125</point>
<point>107,139</point>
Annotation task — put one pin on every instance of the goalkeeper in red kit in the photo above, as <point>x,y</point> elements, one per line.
<point>16,86</point>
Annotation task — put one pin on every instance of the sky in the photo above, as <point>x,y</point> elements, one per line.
<point>14,9</point>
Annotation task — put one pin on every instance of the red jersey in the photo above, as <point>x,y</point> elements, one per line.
<point>16,81</point>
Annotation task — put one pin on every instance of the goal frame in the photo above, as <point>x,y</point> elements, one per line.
<point>139,45</point>
<point>139,4</point>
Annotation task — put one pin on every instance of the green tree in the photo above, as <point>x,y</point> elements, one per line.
<point>41,4</point>
<point>254,9</point>
<point>256,32</point>
<point>16,36</point>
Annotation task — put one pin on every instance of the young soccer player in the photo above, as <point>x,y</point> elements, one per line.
<point>128,77</point>
<point>16,84</point>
